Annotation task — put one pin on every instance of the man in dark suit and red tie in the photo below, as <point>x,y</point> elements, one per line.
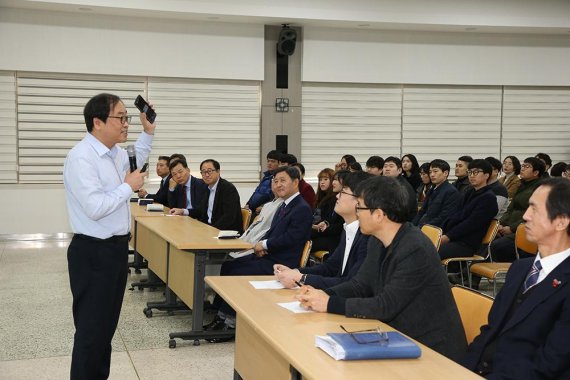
<point>186,191</point>
<point>529,324</point>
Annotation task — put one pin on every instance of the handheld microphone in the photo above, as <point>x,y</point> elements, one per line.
<point>132,157</point>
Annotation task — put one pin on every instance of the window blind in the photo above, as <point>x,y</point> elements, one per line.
<point>8,130</point>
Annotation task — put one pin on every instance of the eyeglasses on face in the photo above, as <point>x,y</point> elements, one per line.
<point>207,171</point>
<point>124,118</point>
<point>526,166</point>
<point>360,336</point>
<point>344,192</point>
<point>358,208</point>
<point>474,172</point>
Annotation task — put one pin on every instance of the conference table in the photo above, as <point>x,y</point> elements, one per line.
<point>140,211</point>
<point>275,343</point>
<point>177,249</point>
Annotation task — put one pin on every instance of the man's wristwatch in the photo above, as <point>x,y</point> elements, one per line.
<point>303,279</point>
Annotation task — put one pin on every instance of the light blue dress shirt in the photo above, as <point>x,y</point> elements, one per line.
<point>97,196</point>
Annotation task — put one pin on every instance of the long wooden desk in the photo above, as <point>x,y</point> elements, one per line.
<point>274,343</point>
<point>178,248</point>
<point>137,212</point>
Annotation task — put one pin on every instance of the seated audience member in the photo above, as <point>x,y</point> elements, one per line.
<point>345,160</point>
<point>503,247</point>
<point>324,213</point>
<point>462,181</point>
<point>411,170</point>
<point>220,204</point>
<point>374,165</point>
<point>306,190</point>
<point>400,281</point>
<point>426,185</point>
<point>262,193</point>
<point>526,336</point>
<point>163,172</point>
<point>287,160</point>
<point>566,173</point>
<point>497,188</point>
<point>177,156</point>
<point>326,234</point>
<point>511,180</point>
<point>464,230</point>
<point>443,199</point>
<point>545,158</point>
<point>354,167</point>
<point>346,259</point>
<point>558,169</point>
<point>393,168</point>
<point>185,191</point>
<point>282,244</point>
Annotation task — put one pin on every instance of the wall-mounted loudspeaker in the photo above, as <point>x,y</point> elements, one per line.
<point>287,40</point>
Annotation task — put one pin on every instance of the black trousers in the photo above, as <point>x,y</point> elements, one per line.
<point>98,276</point>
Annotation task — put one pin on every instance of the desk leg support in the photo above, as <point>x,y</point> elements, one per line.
<point>170,304</point>
<point>237,376</point>
<point>295,375</point>
<point>137,264</point>
<point>152,282</point>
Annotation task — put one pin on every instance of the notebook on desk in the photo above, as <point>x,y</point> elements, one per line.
<point>342,346</point>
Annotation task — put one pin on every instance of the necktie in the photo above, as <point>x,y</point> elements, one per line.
<point>532,276</point>
<point>183,197</point>
<point>281,210</point>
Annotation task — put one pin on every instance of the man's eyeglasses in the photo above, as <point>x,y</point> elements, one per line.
<point>207,171</point>
<point>344,192</point>
<point>358,208</point>
<point>124,118</point>
<point>474,172</point>
<point>526,166</point>
<point>377,336</point>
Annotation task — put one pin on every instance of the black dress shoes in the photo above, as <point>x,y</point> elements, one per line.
<point>217,324</point>
<point>224,339</point>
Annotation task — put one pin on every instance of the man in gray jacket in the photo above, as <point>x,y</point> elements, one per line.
<point>401,282</point>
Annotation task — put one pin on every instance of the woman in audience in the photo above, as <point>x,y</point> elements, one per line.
<point>346,160</point>
<point>326,234</point>
<point>511,180</point>
<point>325,198</point>
<point>558,169</point>
<point>411,170</point>
<point>354,167</point>
<point>426,183</point>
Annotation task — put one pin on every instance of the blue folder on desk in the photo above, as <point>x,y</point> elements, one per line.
<point>341,346</point>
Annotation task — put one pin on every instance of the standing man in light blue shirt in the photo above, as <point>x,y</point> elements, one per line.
<point>98,186</point>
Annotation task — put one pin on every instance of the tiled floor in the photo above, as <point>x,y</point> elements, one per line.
<point>36,326</point>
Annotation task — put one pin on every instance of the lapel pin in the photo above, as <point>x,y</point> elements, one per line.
<point>556,283</point>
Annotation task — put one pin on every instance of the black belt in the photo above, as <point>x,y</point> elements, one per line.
<point>113,239</point>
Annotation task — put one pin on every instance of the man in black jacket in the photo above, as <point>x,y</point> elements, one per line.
<point>400,282</point>
<point>163,172</point>
<point>347,257</point>
<point>393,168</point>
<point>220,205</point>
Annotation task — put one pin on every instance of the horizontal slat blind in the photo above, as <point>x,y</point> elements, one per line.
<point>536,120</point>
<point>451,121</point>
<point>50,118</point>
<point>362,120</point>
<point>8,131</point>
<point>209,119</point>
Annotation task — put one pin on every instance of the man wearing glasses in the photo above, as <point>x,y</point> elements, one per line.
<point>98,186</point>
<point>400,282</point>
<point>220,206</point>
<point>503,248</point>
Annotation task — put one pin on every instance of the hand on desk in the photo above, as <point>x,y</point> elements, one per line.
<point>313,299</point>
<point>176,211</point>
<point>258,250</point>
<point>142,193</point>
<point>286,275</point>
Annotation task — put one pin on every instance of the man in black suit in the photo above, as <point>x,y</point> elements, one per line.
<point>163,172</point>
<point>393,168</point>
<point>528,330</point>
<point>282,244</point>
<point>185,191</point>
<point>345,261</point>
<point>219,205</point>
<point>400,282</point>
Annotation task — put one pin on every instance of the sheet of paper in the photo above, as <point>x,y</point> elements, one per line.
<point>271,284</point>
<point>295,307</point>
<point>236,255</point>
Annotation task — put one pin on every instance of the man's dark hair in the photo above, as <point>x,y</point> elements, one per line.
<point>173,163</point>
<point>290,170</point>
<point>164,158</point>
<point>340,175</point>
<point>557,169</point>
<point>467,159</point>
<point>537,165</point>
<point>516,164</point>
<point>355,166</point>
<point>274,155</point>
<point>351,180</point>
<point>385,193</point>
<point>289,159</point>
<point>482,165</point>
<point>395,160</point>
<point>178,156</point>
<point>300,166</point>
<point>215,163</point>
<point>544,157</point>
<point>349,158</point>
<point>375,162</point>
<point>558,201</point>
<point>441,165</point>
<point>495,163</point>
<point>99,107</point>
